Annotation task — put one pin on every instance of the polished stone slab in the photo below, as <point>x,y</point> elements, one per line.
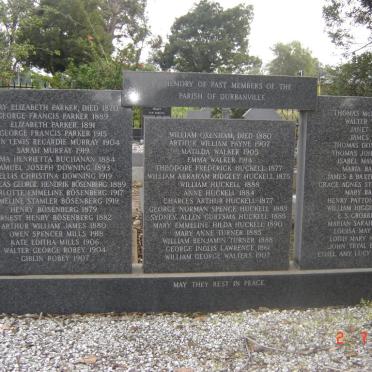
<point>334,228</point>
<point>218,195</point>
<point>183,292</point>
<point>65,182</point>
<point>218,90</point>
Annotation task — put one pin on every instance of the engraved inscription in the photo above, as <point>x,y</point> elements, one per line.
<point>343,184</point>
<point>218,90</point>
<point>59,192</point>
<point>221,284</point>
<point>222,196</point>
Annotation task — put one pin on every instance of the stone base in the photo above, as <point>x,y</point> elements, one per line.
<point>138,292</point>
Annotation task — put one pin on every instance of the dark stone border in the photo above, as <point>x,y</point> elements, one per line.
<point>155,293</point>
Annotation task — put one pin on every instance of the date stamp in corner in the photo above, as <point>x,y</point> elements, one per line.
<point>352,337</point>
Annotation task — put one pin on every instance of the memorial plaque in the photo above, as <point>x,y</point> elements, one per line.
<point>156,111</point>
<point>65,182</point>
<point>217,195</point>
<point>218,90</point>
<point>336,220</point>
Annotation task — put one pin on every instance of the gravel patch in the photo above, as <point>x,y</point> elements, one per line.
<point>252,340</point>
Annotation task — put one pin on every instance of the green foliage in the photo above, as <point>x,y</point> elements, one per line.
<point>80,32</point>
<point>12,51</point>
<point>126,23</point>
<point>237,113</point>
<point>292,58</point>
<point>350,79</point>
<point>124,18</point>
<point>100,74</point>
<point>64,32</point>
<point>342,17</point>
<point>209,39</point>
<point>180,112</point>
<point>6,72</point>
<point>289,114</point>
<point>366,303</point>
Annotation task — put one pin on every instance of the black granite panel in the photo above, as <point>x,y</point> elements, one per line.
<point>211,90</point>
<point>184,293</point>
<point>65,182</point>
<point>337,211</point>
<point>218,195</point>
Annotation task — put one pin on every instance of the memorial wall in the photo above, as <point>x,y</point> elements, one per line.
<point>217,197</point>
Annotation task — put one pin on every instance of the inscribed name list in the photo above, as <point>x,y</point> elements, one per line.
<point>217,195</point>
<point>65,182</point>
<point>337,216</point>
